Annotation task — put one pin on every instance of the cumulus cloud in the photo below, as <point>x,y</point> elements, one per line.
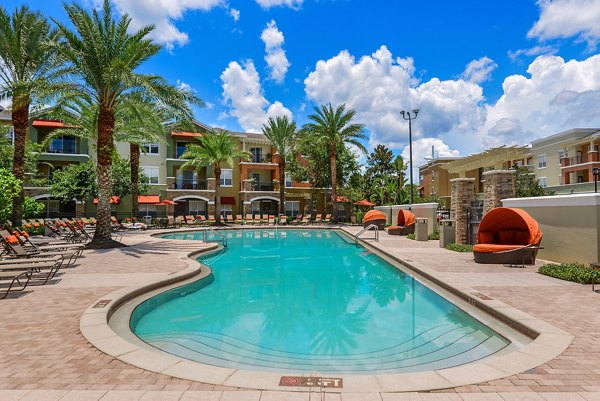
<point>568,18</point>
<point>295,4</point>
<point>275,57</point>
<point>478,71</point>
<point>235,14</point>
<point>243,94</point>
<point>163,13</point>
<point>184,86</point>
<point>533,51</point>
<point>422,151</point>
<point>379,86</point>
<point>557,95</point>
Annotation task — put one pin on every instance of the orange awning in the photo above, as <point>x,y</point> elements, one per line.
<point>227,200</point>
<point>186,134</point>
<point>51,124</point>
<point>114,200</point>
<point>148,199</point>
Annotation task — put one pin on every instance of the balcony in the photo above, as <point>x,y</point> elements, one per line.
<point>573,161</point>
<point>263,186</point>
<point>66,146</point>
<point>37,181</point>
<point>200,185</point>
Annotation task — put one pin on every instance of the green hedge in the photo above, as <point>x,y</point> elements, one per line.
<point>576,272</point>
<point>431,237</point>
<point>459,247</point>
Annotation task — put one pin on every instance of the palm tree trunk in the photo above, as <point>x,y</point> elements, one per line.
<point>134,158</point>
<point>333,164</point>
<point>281,186</point>
<point>217,190</point>
<point>106,127</point>
<point>20,120</point>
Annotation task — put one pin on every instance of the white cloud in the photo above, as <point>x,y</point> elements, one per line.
<point>478,71</point>
<point>379,86</point>
<point>556,96</point>
<point>242,92</point>
<point>235,14</point>
<point>422,151</point>
<point>295,4</point>
<point>568,18</point>
<point>534,51</point>
<point>184,86</point>
<point>162,13</point>
<point>275,55</point>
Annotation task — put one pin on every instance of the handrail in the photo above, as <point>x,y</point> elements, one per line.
<point>212,230</point>
<point>368,228</point>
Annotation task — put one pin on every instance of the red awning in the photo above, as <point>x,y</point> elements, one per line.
<point>227,200</point>
<point>186,134</point>
<point>148,199</point>
<point>114,200</point>
<point>51,124</point>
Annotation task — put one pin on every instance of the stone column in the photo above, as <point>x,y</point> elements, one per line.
<point>170,182</point>
<point>499,184</point>
<point>462,196</point>
<point>247,184</point>
<point>210,184</point>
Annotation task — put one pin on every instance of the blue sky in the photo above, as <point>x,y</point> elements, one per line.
<point>483,73</point>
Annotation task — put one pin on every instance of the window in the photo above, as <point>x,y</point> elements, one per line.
<point>561,154</point>
<point>197,207</point>
<point>542,161</point>
<point>256,155</point>
<point>179,149</point>
<point>52,206</point>
<point>226,178</point>
<point>63,144</point>
<point>150,148</point>
<point>11,135</point>
<point>152,173</point>
<point>226,210</point>
<point>288,180</point>
<point>292,208</point>
<point>542,182</point>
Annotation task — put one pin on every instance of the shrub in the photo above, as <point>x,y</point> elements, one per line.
<point>359,217</point>
<point>431,237</point>
<point>410,236</point>
<point>459,247</point>
<point>576,272</point>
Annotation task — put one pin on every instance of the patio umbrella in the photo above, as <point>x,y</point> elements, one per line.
<point>364,202</point>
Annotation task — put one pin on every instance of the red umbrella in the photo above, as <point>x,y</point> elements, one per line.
<point>364,202</point>
<point>165,202</point>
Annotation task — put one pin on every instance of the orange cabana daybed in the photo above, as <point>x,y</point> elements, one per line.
<point>374,217</point>
<point>509,236</point>
<point>405,225</point>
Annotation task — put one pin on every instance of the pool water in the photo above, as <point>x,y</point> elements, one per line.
<point>307,301</point>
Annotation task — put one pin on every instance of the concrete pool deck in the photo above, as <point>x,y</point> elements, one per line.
<point>46,357</point>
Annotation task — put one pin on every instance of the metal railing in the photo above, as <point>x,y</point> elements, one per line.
<point>191,184</point>
<point>205,230</point>
<point>368,228</point>
<point>263,186</point>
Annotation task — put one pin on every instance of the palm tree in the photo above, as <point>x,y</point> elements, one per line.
<point>283,135</point>
<point>214,148</point>
<point>103,57</point>
<point>28,75</point>
<point>400,169</point>
<point>334,128</point>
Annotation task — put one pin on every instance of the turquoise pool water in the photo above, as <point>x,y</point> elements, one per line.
<point>306,301</point>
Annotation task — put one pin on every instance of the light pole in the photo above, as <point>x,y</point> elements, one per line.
<point>407,116</point>
<point>596,172</point>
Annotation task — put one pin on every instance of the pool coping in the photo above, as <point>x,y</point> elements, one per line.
<point>548,340</point>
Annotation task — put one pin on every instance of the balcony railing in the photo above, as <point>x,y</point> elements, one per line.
<point>63,145</point>
<point>191,184</point>
<point>263,186</point>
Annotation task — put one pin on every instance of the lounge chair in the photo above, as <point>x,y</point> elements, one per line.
<point>44,268</point>
<point>69,252</point>
<point>374,217</point>
<point>327,218</point>
<point>211,219</point>
<point>257,219</point>
<point>305,220</point>
<point>405,225</point>
<point>238,219</point>
<point>248,219</point>
<point>229,218</point>
<point>190,220</point>
<point>507,236</point>
<point>271,220</point>
<point>297,220</point>
<point>318,218</point>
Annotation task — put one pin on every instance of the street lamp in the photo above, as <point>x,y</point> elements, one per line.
<point>407,116</point>
<point>596,173</point>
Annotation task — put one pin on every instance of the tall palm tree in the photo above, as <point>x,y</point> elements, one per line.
<point>334,128</point>
<point>28,75</point>
<point>214,148</point>
<point>400,169</point>
<point>103,57</point>
<point>283,135</point>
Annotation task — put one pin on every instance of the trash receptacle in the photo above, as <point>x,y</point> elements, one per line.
<point>148,220</point>
<point>447,232</point>
<point>421,229</point>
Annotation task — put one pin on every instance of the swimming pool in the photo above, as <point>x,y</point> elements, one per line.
<point>306,301</point>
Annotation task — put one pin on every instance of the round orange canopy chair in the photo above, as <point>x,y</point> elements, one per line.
<point>405,225</point>
<point>507,235</point>
<point>374,217</point>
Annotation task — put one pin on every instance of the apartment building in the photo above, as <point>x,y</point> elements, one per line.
<point>246,187</point>
<point>563,162</point>
<point>434,180</point>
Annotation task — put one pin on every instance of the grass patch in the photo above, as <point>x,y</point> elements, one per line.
<point>459,247</point>
<point>431,237</point>
<point>575,272</point>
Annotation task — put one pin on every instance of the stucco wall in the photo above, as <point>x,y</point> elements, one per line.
<point>569,223</point>
<point>425,210</point>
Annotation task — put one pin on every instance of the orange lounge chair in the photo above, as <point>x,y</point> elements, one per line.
<point>238,219</point>
<point>374,217</point>
<point>248,219</point>
<point>507,236</point>
<point>405,225</point>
